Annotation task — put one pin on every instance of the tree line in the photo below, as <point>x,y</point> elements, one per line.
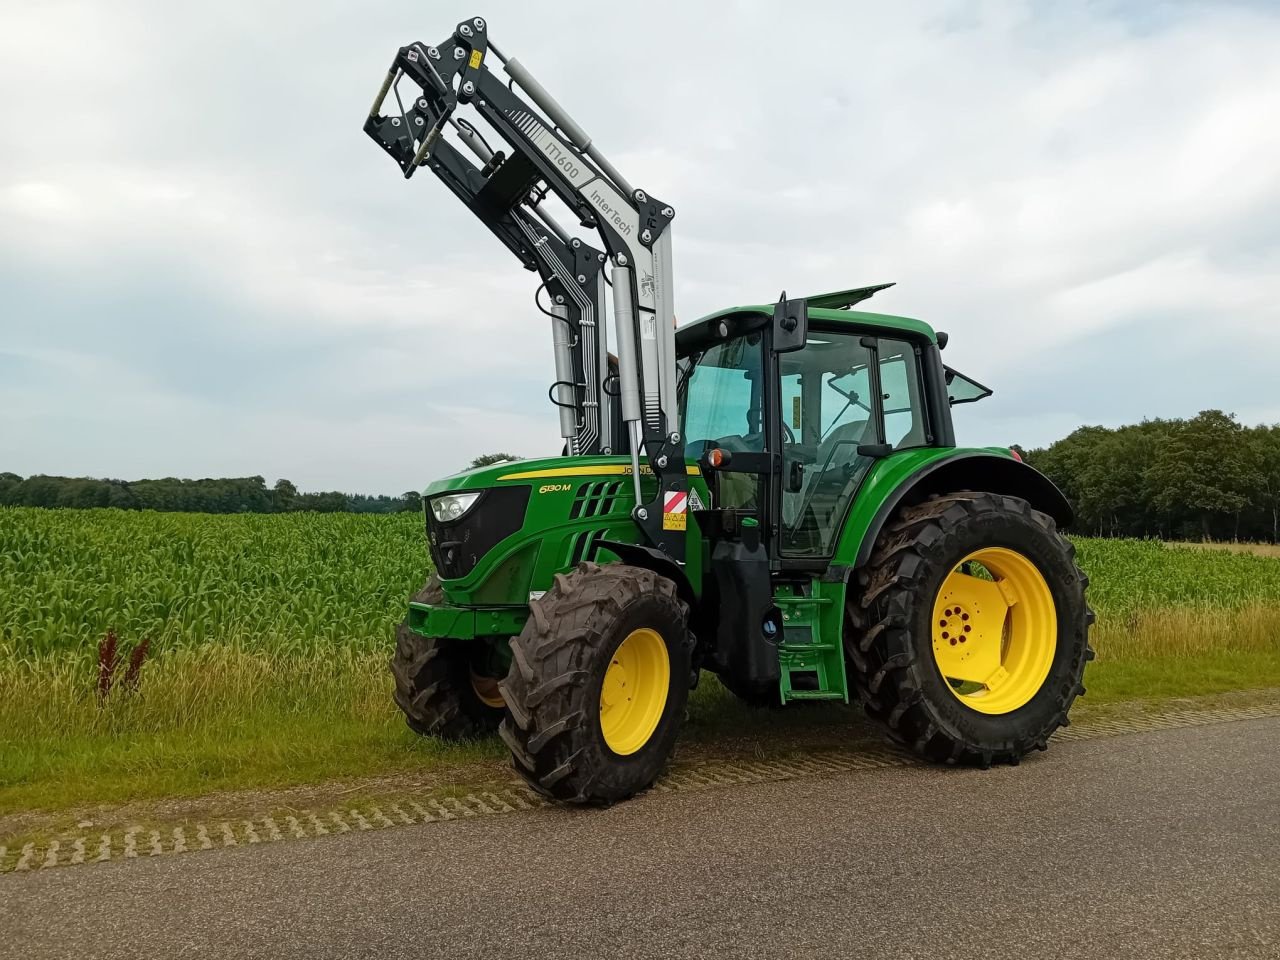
<point>1207,477</point>
<point>225,495</point>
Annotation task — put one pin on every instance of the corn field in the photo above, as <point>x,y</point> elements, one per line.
<point>1148,575</point>
<point>292,584</point>
<point>304,584</point>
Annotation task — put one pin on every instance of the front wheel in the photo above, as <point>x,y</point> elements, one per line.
<point>444,687</point>
<point>970,639</point>
<point>598,684</point>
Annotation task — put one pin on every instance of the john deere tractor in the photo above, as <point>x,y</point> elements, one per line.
<point>772,493</point>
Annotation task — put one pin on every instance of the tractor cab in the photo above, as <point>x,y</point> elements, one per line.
<point>791,435</point>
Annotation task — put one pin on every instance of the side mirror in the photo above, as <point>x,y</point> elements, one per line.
<point>790,324</point>
<point>795,477</point>
<point>876,451</point>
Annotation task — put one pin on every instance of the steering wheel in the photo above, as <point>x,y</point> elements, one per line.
<point>787,434</point>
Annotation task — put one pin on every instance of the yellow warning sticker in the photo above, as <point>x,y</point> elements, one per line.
<point>476,58</point>
<point>795,411</point>
<point>675,521</point>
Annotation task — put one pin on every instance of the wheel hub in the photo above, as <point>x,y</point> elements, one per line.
<point>633,693</point>
<point>994,635</point>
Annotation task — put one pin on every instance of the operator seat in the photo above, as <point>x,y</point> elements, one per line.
<point>827,491</point>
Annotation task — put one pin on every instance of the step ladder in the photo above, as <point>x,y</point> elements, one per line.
<point>812,668</point>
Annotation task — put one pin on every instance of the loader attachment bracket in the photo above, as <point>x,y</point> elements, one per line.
<point>531,153</point>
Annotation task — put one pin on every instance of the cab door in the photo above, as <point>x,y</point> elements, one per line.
<point>846,400</point>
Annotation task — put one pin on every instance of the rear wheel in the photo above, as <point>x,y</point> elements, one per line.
<point>598,684</point>
<point>444,687</point>
<point>970,639</point>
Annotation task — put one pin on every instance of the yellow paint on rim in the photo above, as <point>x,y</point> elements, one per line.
<point>588,470</point>
<point>634,692</point>
<point>486,691</point>
<point>994,640</point>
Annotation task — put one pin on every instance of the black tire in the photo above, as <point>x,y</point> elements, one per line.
<point>557,669</point>
<point>433,687</point>
<point>889,629</point>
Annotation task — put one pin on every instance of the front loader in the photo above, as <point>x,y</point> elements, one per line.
<point>772,493</point>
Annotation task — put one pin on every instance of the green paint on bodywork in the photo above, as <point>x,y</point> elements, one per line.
<point>859,318</point>
<point>466,623</point>
<point>574,502</point>
<point>812,645</point>
<point>883,480</point>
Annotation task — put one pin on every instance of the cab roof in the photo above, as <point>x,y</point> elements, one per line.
<point>878,321</point>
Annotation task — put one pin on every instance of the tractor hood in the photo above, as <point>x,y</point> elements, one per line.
<point>547,469</point>
<point>503,531</point>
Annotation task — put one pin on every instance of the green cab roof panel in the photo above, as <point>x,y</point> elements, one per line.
<point>877,321</point>
<point>844,299</point>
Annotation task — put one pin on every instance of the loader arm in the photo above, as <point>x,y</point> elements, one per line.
<point>538,149</point>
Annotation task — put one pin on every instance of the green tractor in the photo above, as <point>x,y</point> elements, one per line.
<point>772,493</point>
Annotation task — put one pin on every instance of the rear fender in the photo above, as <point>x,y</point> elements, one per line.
<point>986,472</point>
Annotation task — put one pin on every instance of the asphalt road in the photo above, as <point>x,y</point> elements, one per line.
<point>1162,844</point>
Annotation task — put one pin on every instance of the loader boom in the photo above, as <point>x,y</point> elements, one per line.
<point>545,151</point>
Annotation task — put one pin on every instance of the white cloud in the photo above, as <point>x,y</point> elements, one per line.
<point>1037,178</point>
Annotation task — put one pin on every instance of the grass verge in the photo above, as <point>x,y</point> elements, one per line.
<point>214,718</point>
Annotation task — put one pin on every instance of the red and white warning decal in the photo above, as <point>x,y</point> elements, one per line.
<point>675,510</point>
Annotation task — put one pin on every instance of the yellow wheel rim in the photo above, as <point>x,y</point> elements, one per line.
<point>486,691</point>
<point>994,639</point>
<point>634,691</point>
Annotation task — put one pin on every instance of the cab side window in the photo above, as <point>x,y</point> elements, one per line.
<point>833,403</point>
<point>904,424</point>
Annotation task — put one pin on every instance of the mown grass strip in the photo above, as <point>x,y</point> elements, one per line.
<point>398,805</point>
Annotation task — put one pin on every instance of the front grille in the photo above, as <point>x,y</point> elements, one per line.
<point>596,499</point>
<point>457,546</point>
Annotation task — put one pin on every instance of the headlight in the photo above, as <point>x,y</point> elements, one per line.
<point>452,506</point>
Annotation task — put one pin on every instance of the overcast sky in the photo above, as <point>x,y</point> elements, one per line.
<point>207,269</point>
